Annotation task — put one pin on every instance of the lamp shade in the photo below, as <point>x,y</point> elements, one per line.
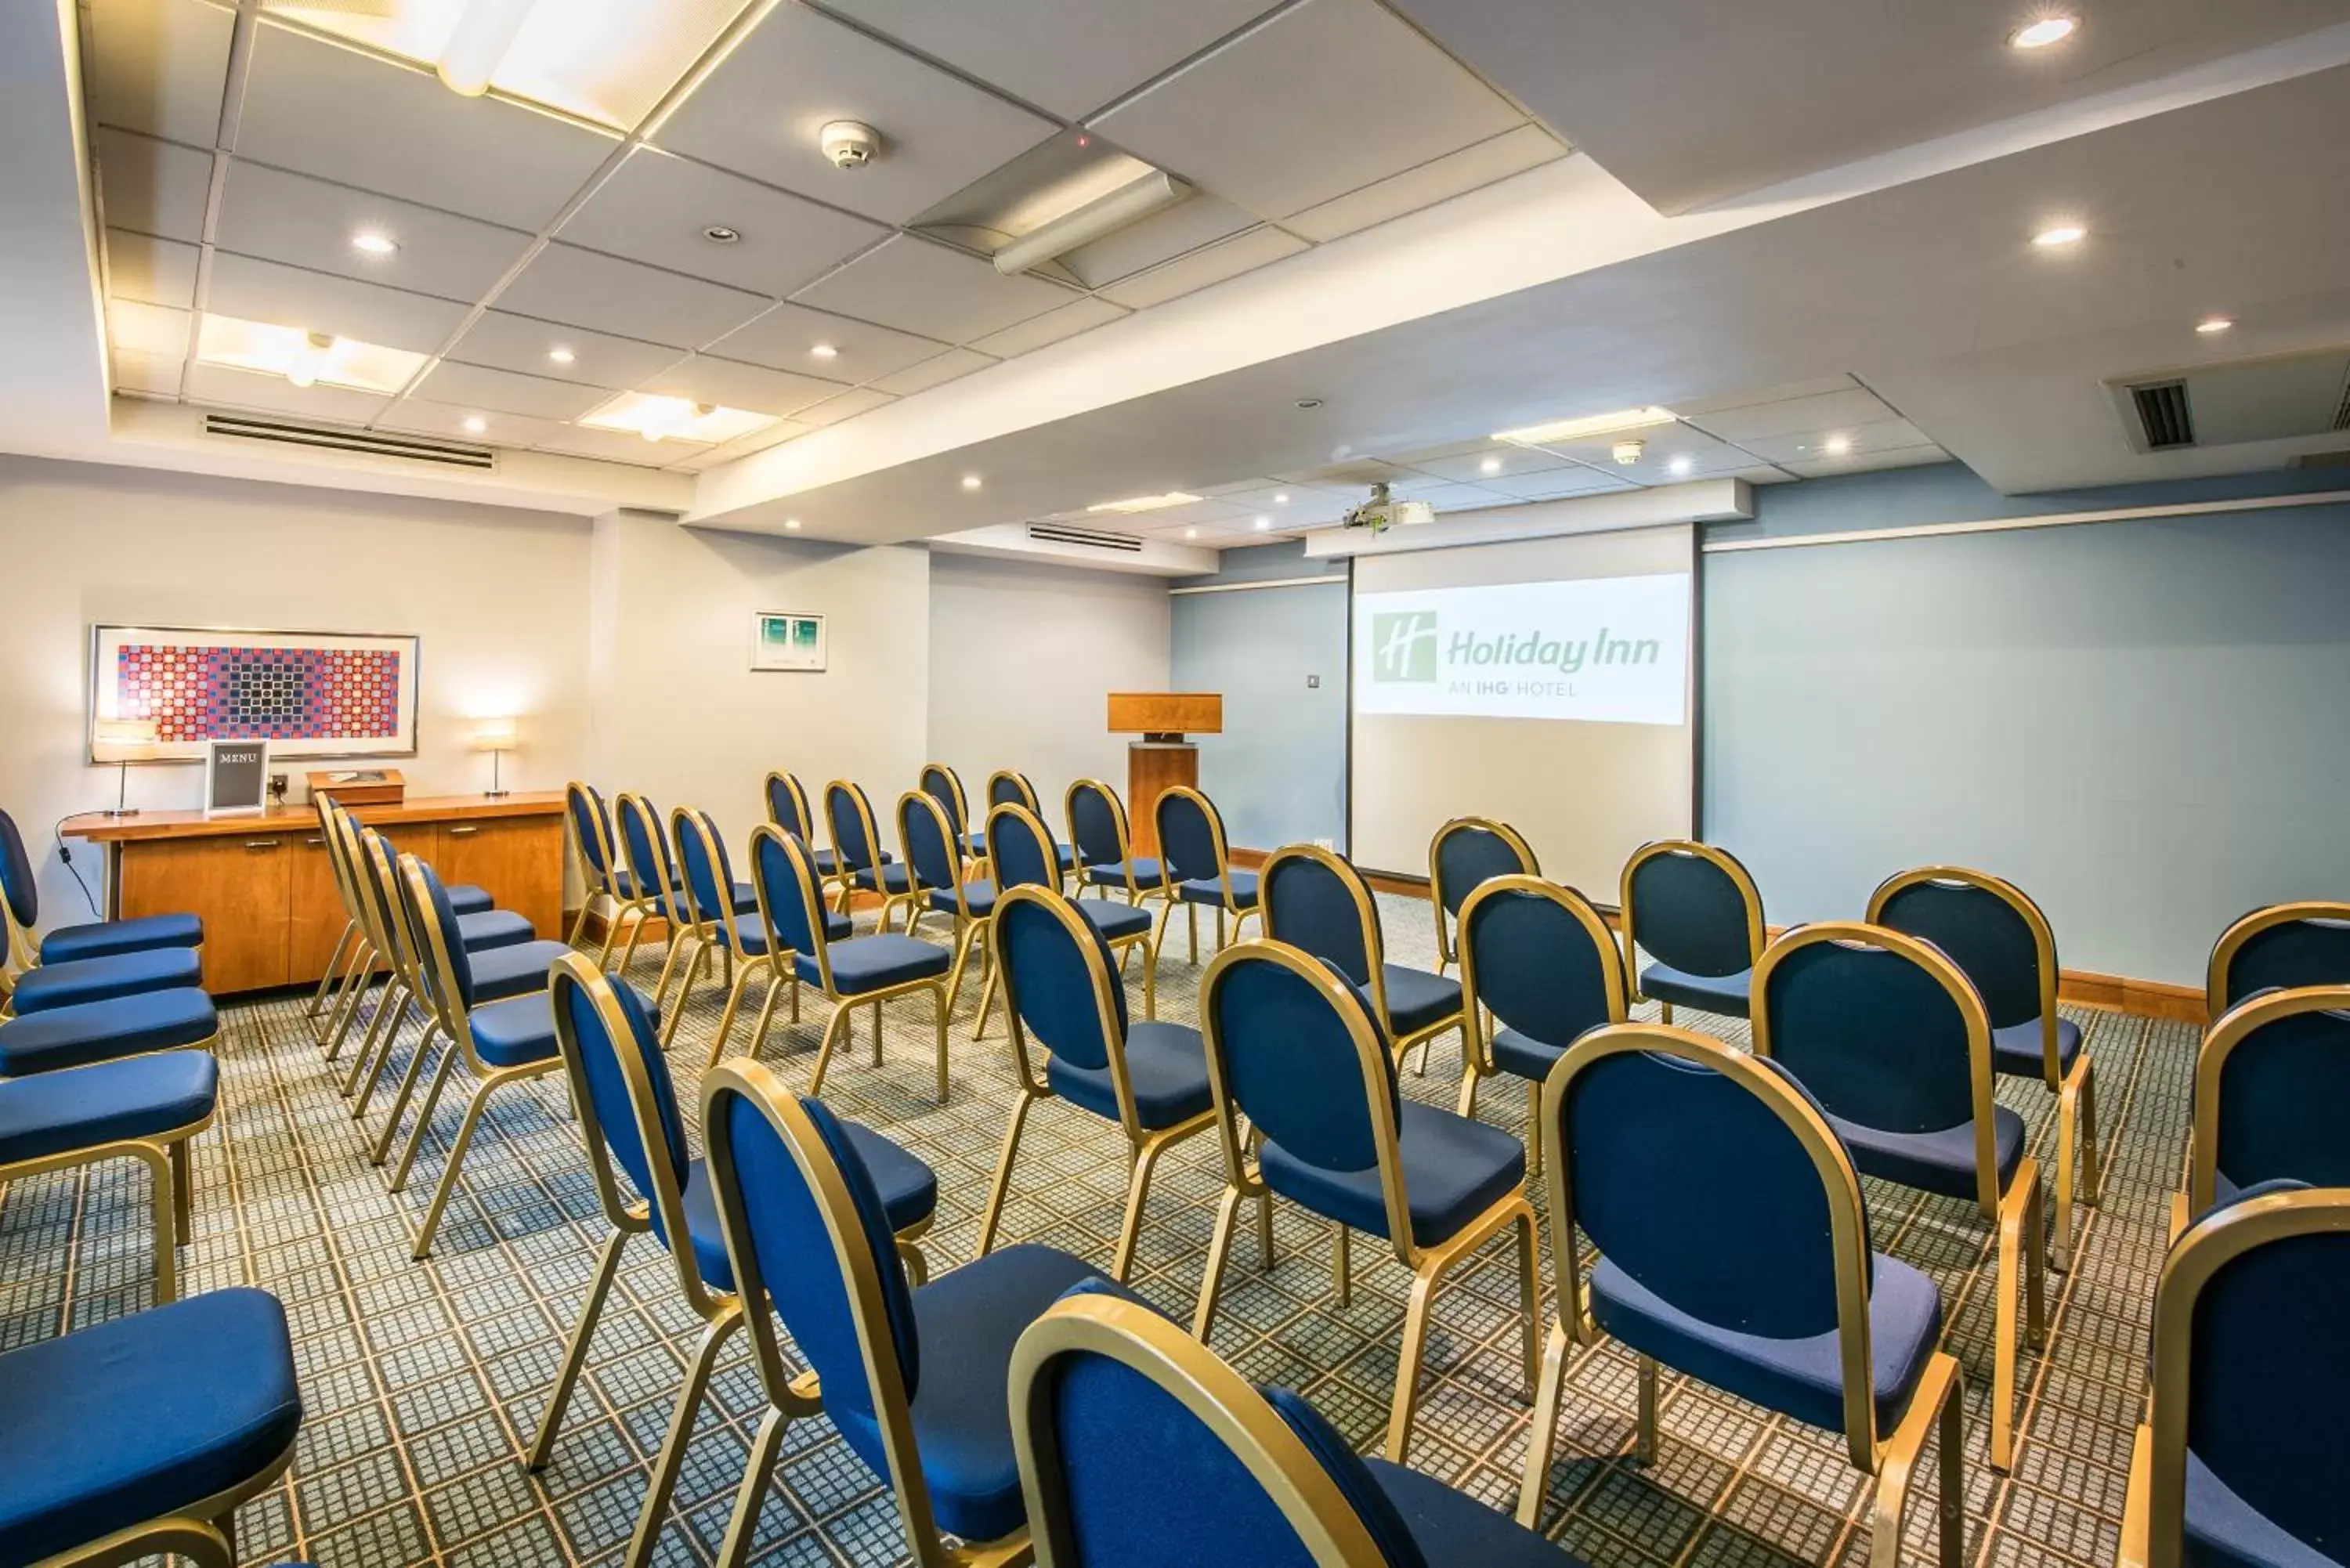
<point>122,740</point>
<point>494,734</point>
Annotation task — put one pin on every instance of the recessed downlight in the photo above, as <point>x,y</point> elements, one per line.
<point>720,234</point>
<point>374,242</point>
<point>2056,236</point>
<point>1262,523</point>
<point>1837,445</point>
<point>1682,464</point>
<point>792,523</point>
<point>2040,33</point>
<point>2212,325</point>
<point>1309,402</point>
<point>1190,532</point>
<point>824,351</point>
<point>1490,465</point>
<point>970,482</point>
<point>1282,499</point>
<point>561,356</point>
<point>475,424</point>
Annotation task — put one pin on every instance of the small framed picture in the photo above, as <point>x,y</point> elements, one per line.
<point>787,639</point>
<point>236,776</point>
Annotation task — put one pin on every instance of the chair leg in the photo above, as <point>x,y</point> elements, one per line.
<point>967,933</point>
<point>1542,1437</point>
<point>1001,1186</point>
<point>183,1194</point>
<point>376,1044</point>
<point>938,1011</point>
<point>367,1072</point>
<point>579,924</point>
<point>680,943</point>
<point>1149,977</point>
<point>1219,1246</point>
<point>1193,910</point>
<point>575,1354</point>
<point>767,1443</point>
<point>331,982</point>
<point>2093,1155</point>
<point>431,1101</point>
<point>775,989</point>
<point>701,951</point>
<point>742,973</point>
<point>408,1082</point>
<point>1644,1436</point>
<point>165,1220</point>
<point>1466,1104</point>
<point>1529,1293</point>
<point>1409,1350</point>
<point>987,991</point>
<point>636,935</point>
<point>1138,1192</point>
<point>1342,1270</point>
<point>1664,1012</point>
<point>832,1028</point>
<point>2017,1253</point>
<point>1534,1128</point>
<point>877,1034</point>
<point>672,1457</point>
<point>463,1141</point>
<point>918,1267</point>
<point>1939,1401</point>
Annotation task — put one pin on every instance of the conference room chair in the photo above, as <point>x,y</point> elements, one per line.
<point>935,855</point>
<point>2271,1099</point>
<point>658,890</point>
<point>20,903</point>
<point>1008,786</point>
<point>914,1379</point>
<point>1467,852</point>
<point>1698,915</point>
<point>788,808</point>
<point>1020,850</point>
<point>588,825</point>
<point>944,786</point>
<point>2286,945</point>
<point>1891,1038</point>
<point>1098,828</point>
<point>1314,900</point>
<point>1734,1246</point>
<point>1198,868</point>
<point>1209,1469</point>
<point>1993,931</point>
<point>352,968</point>
<point>630,1126</point>
<point>742,943</point>
<point>93,1031</point>
<point>140,1436</point>
<point>501,1041</point>
<point>1061,986</point>
<point>145,1109</point>
<point>1539,970</point>
<point>866,867</point>
<point>1296,1048</point>
<point>849,974</point>
<point>2240,1455</point>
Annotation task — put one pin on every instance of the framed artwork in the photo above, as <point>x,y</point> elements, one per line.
<point>787,639</point>
<point>308,694</point>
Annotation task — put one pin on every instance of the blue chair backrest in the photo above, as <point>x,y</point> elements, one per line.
<point>788,886</point>
<point>805,1270</point>
<point>924,828</point>
<point>1872,1035</point>
<point>2285,1099</point>
<point>1538,969</point>
<point>648,848</point>
<point>1982,935</point>
<point>1467,858</point>
<point>1093,819</point>
<point>615,1114</point>
<point>439,912</point>
<point>709,875</point>
<point>16,879</point>
<point>2291,954</point>
<point>943,787</point>
<point>1051,985</point>
<point>591,824</point>
<point>846,810</point>
<point>1010,789</point>
<point>1310,903</point>
<point>1018,853</point>
<point>1688,913</point>
<point>783,806</point>
<point>1690,1183</point>
<point>1291,1063</point>
<point>1187,837</point>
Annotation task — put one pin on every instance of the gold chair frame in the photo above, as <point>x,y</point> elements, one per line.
<point>2075,1092</point>
<point>1366,916</point>
<point>358,954</point>
<point>968,929</point>
<point>1229,904</point>
<point>2014,1215</point>
<point>345,959</point>
<point>910,898</point>
<point>791,782</point>
<point>2240,1023</point>
<point>654,897</point>
<point>203,1532</point>
<point>1123,947</point>
<point>793,1395</point>
<point>1143,1146</point>
<point>2244,929</point>
<point>974,866</point>
<point>718,934</point>
<point>597,884</point>
<point>172,1185</point>
<point>375,875</point>
<point>1757,934</point>
<point>1447,942</point>
<point>1428,1265</point>
<point>1937,1401</point>
<point>1135,893</point>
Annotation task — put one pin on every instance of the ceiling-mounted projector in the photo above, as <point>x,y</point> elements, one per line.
<point>1380,513</point>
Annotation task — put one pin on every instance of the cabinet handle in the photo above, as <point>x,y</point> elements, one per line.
<point>314,843</point>
<point>458,832</point>
<point>264,843</point>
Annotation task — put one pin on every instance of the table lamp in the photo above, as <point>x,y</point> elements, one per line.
<point>122,742</point>
<point>495,736</point>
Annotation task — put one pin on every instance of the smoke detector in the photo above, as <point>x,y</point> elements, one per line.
<point>850,143</point>
<point>1628,453</point>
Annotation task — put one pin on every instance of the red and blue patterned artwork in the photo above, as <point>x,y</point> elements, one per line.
<point>199,693</point>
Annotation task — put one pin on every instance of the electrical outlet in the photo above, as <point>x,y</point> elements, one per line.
<point>1314,683</point>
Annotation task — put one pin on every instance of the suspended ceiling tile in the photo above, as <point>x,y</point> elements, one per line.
<point>1794,416</point>
<point>759,113</point>
<point>1879,435</point>
<point>159,67</point>
<point>1696,409</point>
<point>320,109</point>
<point>1551,483</point>
<point>655,207</point>
<point>1869,461</point>
<point>309,222</point>
<point>1290,505</point>
<point>918,287</point>
<point>153,271</point>
<point>1083,316</point>
<point>1439,180</point>
<point>1761,474</point>
<point>150,375</point>
<point>844,405</point>
<point>255,290</point>
<point>604,294</point>
<point>225,387</point>
<point>153,187</point>
<point>1352,475</point>
<point>1462,498</point>
<point>505,392</point>
<point>743,446</point>
<point>1199,219</point>
<point>612,446</point>
<point>1660,445</point>
<point>156,330</point>
<point>1325,98</point>
<point>1489,463</point>
<point>1071,57</point>
<point>938,372</point>
<point>508,342</point>
<point>733,385</point>
<point>418,416</point>
<point>787,337</point>
<point>1227,258</point>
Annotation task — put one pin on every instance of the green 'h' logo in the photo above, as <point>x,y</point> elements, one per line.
<point>1403,646</point>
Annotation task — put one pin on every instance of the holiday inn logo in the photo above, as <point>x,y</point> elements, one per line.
<point>1403,646</point>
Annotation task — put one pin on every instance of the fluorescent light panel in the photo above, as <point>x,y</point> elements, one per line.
<point>1147,502</point>
<point>659,417</point>
<point>1588,425</point>
<point>279,350</point>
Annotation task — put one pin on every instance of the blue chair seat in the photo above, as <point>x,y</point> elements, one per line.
<point>1799,1377</point>
<point>2015,1050</point>
<point>1941,1161</point>
<point>1453,1171</point>
<point>102,1030</point>
<point>1724,994</point>
<point>963,1423</point>
<point>494,928</point>
<point>467,899</point>
<point>2223,1531</point>
<point>517,970</point>
<point>1165,1063</point>
<point>908,1187</point>
<point>975,845</point>
<point>142,1417</point>
<point>1147,871</point>
<point>625,883</point>
<point>107,1102</point>
<point>1523,1055</point>
<point>1116,922</point>
<point>885,879</point>
<point>1417,999</point>
<point>105,939</point>
<point>751,933</point>
<point>1066,856</point>
<point>1449,1527</point>
<point>516,1032</point>
<point>875,962</point>
<point>978,896</point>
<point>1208,891</point>
<point>104,978</point>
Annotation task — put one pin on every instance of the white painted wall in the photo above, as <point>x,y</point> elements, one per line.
<point>1022,657</point>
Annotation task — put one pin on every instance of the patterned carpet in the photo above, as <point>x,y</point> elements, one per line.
<point>423,1382</point>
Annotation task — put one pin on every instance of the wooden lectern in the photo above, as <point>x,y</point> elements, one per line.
<point>1162,758</point>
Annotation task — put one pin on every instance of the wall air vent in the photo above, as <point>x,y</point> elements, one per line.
<point>2233,402</point>
<point>2163,417</point>
<point>1090,538</point>
<point>368,443</point>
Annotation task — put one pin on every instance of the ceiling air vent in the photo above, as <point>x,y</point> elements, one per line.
<point>2162,420</point>
<point>369,443</point>
<point>2283,396</point>
<point>1090,538</point>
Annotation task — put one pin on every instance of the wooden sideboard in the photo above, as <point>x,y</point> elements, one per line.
<point>262,886</point>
